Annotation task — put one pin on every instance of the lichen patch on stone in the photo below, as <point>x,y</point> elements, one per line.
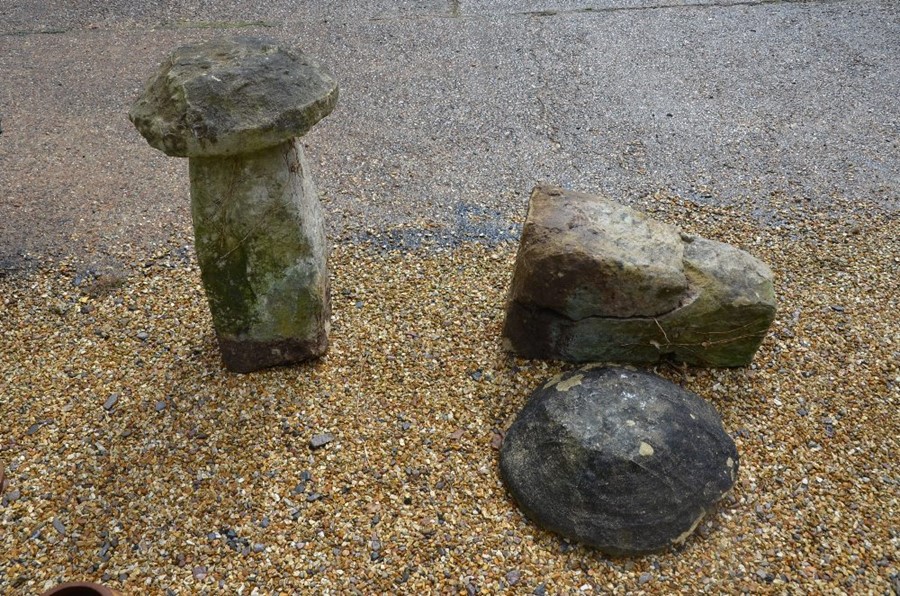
<point>572,381</point>
<point>553,381</point>
<point>684,536</point>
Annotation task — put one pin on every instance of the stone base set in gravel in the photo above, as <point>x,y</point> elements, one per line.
<point>598,281</point>
<point>235,108</point>
<point>623,461</point>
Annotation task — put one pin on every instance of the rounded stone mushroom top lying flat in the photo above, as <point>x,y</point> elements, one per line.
<point>231,96</point>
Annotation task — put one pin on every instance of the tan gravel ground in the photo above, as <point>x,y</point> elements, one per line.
<point>133,458</point>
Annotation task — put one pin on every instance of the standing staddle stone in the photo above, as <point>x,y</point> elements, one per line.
<point>596,281</point>
<point>235,108</point>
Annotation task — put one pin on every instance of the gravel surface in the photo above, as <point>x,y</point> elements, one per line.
<point>131,457</point>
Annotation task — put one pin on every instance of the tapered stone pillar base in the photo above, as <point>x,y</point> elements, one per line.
<point>260,240</point>
<point>246,355</point>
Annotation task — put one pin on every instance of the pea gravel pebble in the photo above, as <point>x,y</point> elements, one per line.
<point>408,497</point>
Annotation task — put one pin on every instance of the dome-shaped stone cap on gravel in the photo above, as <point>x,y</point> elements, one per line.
<point>621,460</point>
<point>231,96</point>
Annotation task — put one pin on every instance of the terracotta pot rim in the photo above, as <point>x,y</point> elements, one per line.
<point>96,589</point>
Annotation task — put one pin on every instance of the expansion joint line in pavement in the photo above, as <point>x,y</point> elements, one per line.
<point>456,13</point>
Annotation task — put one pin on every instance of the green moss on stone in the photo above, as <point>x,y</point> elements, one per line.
<point>262,259</point>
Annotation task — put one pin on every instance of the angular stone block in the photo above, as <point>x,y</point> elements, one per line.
<point>623,461</point>
<point>599,281</point>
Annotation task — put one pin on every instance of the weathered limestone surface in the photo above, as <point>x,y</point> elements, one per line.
<point>598,281</point>
<point>623,461</point>
<point>260,238</point>
<point>230,96</point>
<point>235,107</point>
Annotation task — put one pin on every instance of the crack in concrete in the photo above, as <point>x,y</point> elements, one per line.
<point>541,93</point>
<point>671,5</point>
<point>456,13</point>
<point>164,26</point>
<point>24,32</point>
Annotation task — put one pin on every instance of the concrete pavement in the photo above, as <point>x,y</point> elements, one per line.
<point>451,111</point>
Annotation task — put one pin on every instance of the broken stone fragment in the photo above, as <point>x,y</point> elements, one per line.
<point>321,440</point>
<point>235,108</point>
<point>621,460</point>
<point>599,281</point>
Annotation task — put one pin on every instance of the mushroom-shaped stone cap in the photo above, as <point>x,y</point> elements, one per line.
<point>232,96</point>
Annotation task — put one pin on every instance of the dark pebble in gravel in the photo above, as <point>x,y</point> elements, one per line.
<point>565,546</point>
<point>513,577</point>
<point>59,527</point>
<point>36,427</point>
<point>11,496</point>
<point>644,578</point>
<point>142,335</point>
<point>313,497</point>
<point>405,577</point>
<point>765,576</point>
<point>300,488</point>
<point>111,401</point>
<point>160,406</point>
<point>320,440</point>
<point>540,590</point>
<point>259,547</point>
